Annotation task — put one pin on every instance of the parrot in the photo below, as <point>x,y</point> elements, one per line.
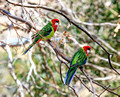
<point>45,33</point>
<point>78,59</point>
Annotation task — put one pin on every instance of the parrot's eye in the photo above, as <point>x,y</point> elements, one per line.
<point>88,48</point>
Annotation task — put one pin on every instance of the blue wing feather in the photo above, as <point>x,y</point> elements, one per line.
<point>70,75</point>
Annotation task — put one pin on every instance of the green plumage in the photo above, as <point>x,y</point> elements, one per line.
<point>45,33</point>
<point>78,59</point>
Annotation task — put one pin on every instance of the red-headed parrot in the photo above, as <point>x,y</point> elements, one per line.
<point>45,33</point>
<point>78,59</point>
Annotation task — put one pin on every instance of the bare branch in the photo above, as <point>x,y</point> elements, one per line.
<point>81,68</point>
<point>63,82</point>
<point>11,69</point>
<point>72,14</point>
<point>104,91</point>
<point>99,84</point>
<point>33,66</point>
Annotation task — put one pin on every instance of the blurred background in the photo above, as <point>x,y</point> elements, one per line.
<point>39,71</point>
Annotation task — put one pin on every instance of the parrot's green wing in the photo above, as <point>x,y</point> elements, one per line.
<point>45,32</point>
<point>79,58</point>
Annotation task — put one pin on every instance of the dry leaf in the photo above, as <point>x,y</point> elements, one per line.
<point>61,41</point>
<point>117,29</point>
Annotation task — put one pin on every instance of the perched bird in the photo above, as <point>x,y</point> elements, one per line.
<point>78,59</point>
<point>45,33</point>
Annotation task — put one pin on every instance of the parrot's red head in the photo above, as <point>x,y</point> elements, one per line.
<point>87,49</point>
<point>55,23</point>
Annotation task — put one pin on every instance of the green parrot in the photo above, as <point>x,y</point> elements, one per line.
<point>78,59</point>
<point>45,33</point>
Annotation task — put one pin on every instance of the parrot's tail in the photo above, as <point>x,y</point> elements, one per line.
<point>31,46</point>
<point>28,49</point>
<point>71,72</point>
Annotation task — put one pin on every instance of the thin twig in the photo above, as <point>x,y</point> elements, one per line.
<point>46,64</point>
<point>22,20</point>
<point>104,90</point>
<point>52,85</point>
<point>67,85</point>
<point>100,84</point>
<point>81,68</point>
<point>72,14</point>
<point>33,66</point>
<point>61,73</point>
<point>11,69</point>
